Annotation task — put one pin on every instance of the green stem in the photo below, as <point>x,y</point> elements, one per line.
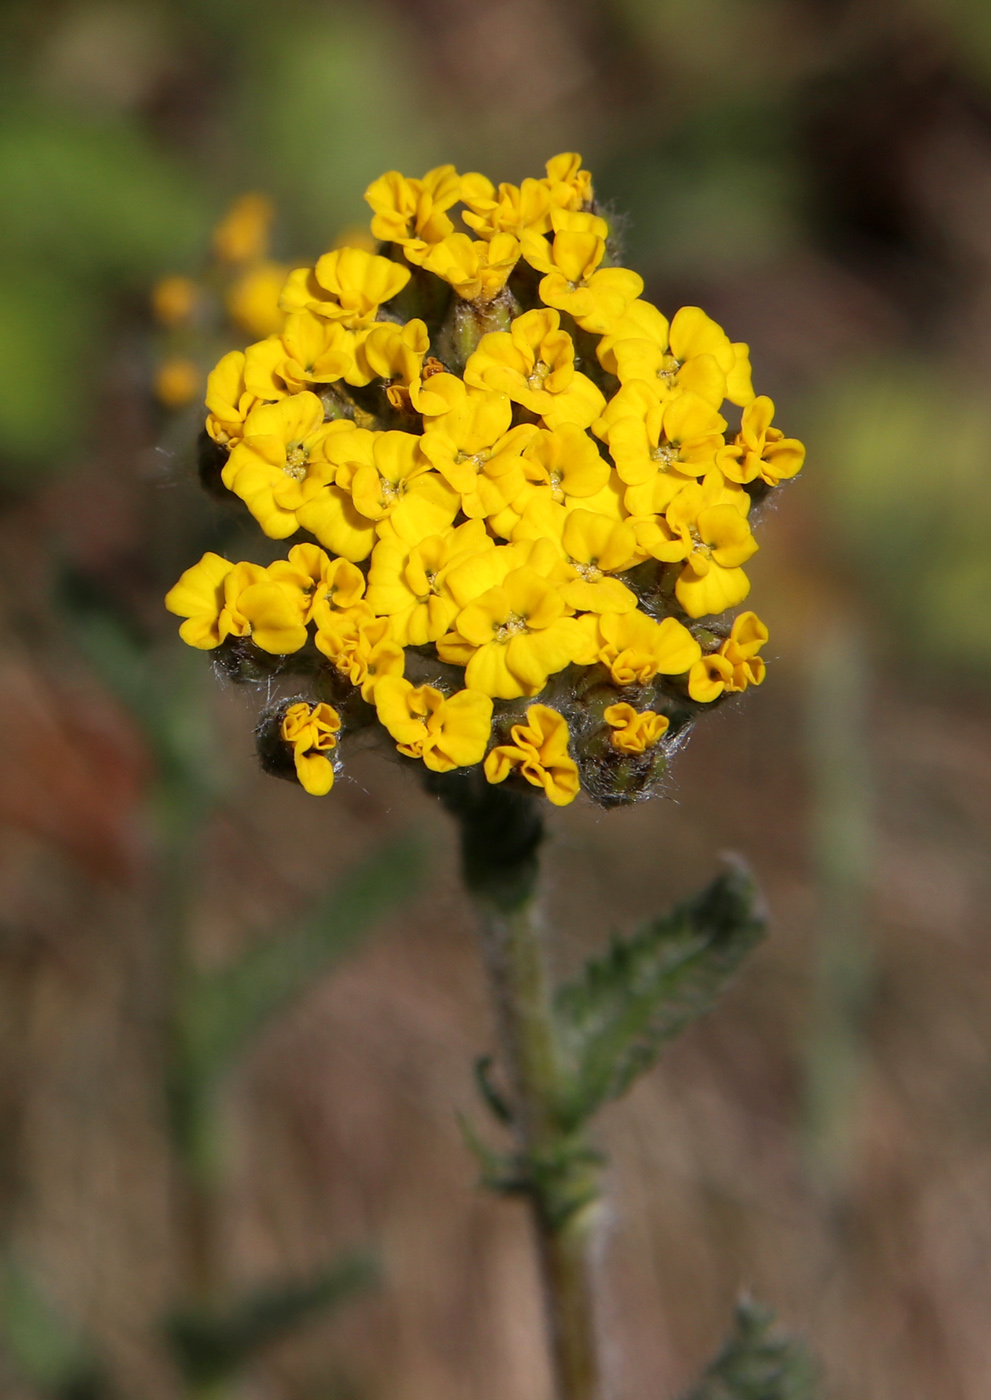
<point>500,835</point>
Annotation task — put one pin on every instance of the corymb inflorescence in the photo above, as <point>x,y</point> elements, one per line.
<point>521,517</point>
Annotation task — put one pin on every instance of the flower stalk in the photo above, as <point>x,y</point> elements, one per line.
<point>501,831</point>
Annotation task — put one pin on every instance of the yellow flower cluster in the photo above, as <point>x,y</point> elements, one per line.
<point>516,480</point>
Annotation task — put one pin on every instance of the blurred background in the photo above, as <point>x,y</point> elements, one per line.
<point>179,1205</point>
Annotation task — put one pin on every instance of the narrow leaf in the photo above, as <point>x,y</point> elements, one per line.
<point>615,1019</point>
<point>756,1363</point>
<point>226,1009</point>
<point>210,1346</point>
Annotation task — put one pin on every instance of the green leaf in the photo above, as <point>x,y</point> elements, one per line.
<point>210,1346</point>
<point>225,1010</point>
<point>615,1019</point>
<point>755,1363</point>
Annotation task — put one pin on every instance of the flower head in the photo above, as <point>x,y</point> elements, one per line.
<point>525,492</point>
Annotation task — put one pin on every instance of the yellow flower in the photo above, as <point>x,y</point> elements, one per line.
<point>597,299</point>
<point>228,399</point>
<point>177,381</point>
<point>411,212</point>
<point>174,299</point>
<point>312,733</point>
<point>359,645</point>
<point>199,598</point>
<point>641,321</point>
<point>446,732</point>
<point>694,353</point>
<point>407,581</point>
<point>539,750</point>
<point>570,186</point>
<point>512,637</point>
<point>475,450</point>
<point>477,270</point>
<point>347,285</point>
<point>396,354</point>
<point>714,541</point>
<point>280,465</point>
<point>253,300</point>
<point>325,584</point>
<point>735,665</point>
<point>242,234</point>
<point>759,450</point>
<point>220,600</point>
<point>510,209</point>
<point>479,572</point>
<point>309,350</point>
<point>384,471</point>
<point>632,732</point>
<point>635,647</point>
<point>564,462</point>
<point>592,547</point>
<point>534,363</point>
<point>259,606</point>
<point>659,447</point>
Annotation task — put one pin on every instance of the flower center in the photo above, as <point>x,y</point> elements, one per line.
<point>512,627</point>
<point>666,454</point>
<point>699,545</point>
<point>477,459</point>
<point>668,370</point>
<point>590,572</point>
<point>295,467</point>
<point>535,379</point>
<point>391,491</point>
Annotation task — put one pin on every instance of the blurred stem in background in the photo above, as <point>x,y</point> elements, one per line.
<point>839,761</point>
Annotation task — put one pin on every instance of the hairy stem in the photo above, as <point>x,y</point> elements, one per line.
<point>500,835</point>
